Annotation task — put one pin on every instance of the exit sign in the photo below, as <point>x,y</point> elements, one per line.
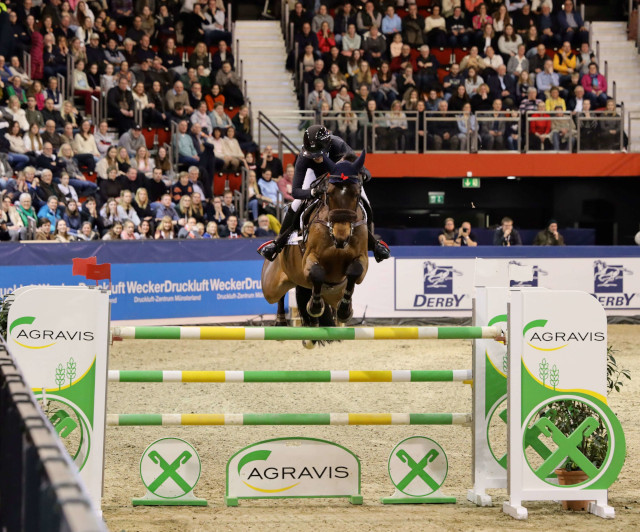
<point>470,182</point>
<point>436,198</point>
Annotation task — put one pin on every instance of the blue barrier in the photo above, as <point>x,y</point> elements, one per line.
<point>187,279</point>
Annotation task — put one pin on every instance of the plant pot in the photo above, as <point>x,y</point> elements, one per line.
<point>568,478</point>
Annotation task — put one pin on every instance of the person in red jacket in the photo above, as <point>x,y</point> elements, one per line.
<point>326,38</point>
<point>595,86</point>
<point>540,130</point>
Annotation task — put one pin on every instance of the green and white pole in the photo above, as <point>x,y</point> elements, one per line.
<point>135,420</point>
<point>456,375</point>
<point>305,333</point>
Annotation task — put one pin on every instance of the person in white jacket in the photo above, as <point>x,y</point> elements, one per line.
<point>84,143</point>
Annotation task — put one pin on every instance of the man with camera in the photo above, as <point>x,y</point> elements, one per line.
<point>465,236</point>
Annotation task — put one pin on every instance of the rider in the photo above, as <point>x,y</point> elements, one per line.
<point>309,164</point>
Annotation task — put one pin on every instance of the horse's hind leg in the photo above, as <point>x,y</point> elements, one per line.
<point>281,318</point>
<point>345,308</point>
<point>315,307</point>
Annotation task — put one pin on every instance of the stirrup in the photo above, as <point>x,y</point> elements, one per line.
<point>269,250</point>
<point>381,251</point>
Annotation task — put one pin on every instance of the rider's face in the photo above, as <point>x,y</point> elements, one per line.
<point>318,159</point>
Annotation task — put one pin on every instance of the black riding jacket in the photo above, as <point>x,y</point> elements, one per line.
<point>337,150</point>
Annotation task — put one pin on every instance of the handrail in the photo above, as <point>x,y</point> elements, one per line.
<point>95,110</point>
<point>229,6</point>
<point>283,140</point>
<point>598,53</point>
<point>71,65</point>
<point>606,69</point>
<point>62,85</point>
<point>26,62</point>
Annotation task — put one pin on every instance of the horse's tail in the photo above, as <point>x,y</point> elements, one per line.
<point>303,295</point>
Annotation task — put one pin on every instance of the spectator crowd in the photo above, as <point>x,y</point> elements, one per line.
<point>454,75</point>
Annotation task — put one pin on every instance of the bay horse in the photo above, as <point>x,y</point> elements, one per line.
<point>325,268</point>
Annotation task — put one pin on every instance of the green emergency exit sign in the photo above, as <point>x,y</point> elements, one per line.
<point>436,198</point>
<point>470,182</point>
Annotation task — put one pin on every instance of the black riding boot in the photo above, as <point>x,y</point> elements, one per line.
<point>269,250</point>
<point>379,247</point>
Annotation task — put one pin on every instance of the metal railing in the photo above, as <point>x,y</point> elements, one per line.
<point>40,488</point>
<point>26,63</point>
<point>282,139</point>
<point>71,65</point>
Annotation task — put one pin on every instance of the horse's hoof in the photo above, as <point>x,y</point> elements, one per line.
<point>313,311</point>
<point>345,312</point>
<point>308,344</point>
<point>281,321</point>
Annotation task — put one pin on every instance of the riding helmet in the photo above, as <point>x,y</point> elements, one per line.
<point>316,142</point>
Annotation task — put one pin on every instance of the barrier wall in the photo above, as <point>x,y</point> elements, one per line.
<point>184,282</point>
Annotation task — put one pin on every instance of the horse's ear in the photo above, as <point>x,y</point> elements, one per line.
<point>359,162</point>
<point>330,164</point>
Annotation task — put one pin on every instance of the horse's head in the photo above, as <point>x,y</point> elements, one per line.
<point>343,196</point>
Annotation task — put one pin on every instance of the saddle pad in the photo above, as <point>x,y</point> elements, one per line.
<point>293,239</point>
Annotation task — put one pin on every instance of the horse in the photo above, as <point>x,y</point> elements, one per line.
<point>333,258</point>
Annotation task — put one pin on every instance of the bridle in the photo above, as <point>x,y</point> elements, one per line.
<point>353,215</point>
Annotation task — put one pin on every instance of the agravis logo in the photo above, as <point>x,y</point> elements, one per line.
<point>264,472</point>
<point>27,336</point>
<point>542,339</point>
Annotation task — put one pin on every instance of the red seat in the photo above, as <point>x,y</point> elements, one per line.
<point>235,181</point>
<point>149,135</point>
<point>164,136</point>
<point>231,112</point>
<point>219,184</point>
<point>442,72</point>
<point>459,54</point>
<point>443,55</point>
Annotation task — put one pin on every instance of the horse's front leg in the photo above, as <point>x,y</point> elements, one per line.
<point>281,317</point>
<point>316,276</point>
<point>345,307</point>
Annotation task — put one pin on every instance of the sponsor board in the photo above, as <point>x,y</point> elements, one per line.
<point>293,468</point>
<point>170,469</point>
<point>63,356</point>
<point>444,287</point>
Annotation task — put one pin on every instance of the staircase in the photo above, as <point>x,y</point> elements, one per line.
<point>623,68</point>
<point>269,85</point>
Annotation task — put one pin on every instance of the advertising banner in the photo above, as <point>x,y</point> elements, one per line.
<point>63,356</point>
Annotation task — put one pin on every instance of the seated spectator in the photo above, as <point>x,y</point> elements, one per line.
<point>435,28</point>
<point>182,187</point>
<point>348,125</point>
<point>531,102</point>
<point>589,126</point>
<point>448,235</point>
<point>86,233</point>
<point>361,99</point>
<point>492,61</point>
<point>183,144</point>
<point>549,236</point>
<point>85,146</point>
<point>326,38</point>
<point>162,160</point>
<point>571,25</point>
<point>189,230</point>
<point>81,85</point>
<point>270,194</point>
<point>14,112</point>
<point>264,230</point>
<point>103,139</point>
<point>442,134</point>
<point>501,18</point>
<point>231,148</point>
<point>232,228</point>
<point>492,132</point>
<point>506,235</point>
<point>165,230</point>
<point>129,231</point>
<point>451,81</point>
<point>459,99</point>
<point>481,100</point>
<point>549,35</point>
<point>412,28</point>
<point>595,85</point>
<point>508,43</point>
<point>62,234</point>
<point>212,231</point>
<point>50,212</point>
<point>248,230</point>
<point>17,156</point>
<point>230,84</point>
<point>465,236</point>
<point>351,41</point>
<point>270,161</point>
<point>554,100</point>
<point>403,60</point>
<point>405,81</point>
<point>503,86</point>
<point>468,130</point>
<point>166,210</point>
<point>472,81</point>
<point>563,131</point>
<point>398,127</point>
<point>142,162</point>
<point>114,232</point>
<point>576,102</point>
<point>219,119</point>
<point>472,60</point>
<point>426,70</point>
<point>518,63</point>
<point>68,191</point>
<point>459,31</point>
<point>374,47</point>
<point>540,129</point>
<point>120,106</point>
<point>242,123</point>
<point>585,58</point>
<point>44,231</point>
<point>564,60</point>
<point>610,129</point>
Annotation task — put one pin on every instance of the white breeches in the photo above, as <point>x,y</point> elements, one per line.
<point>309,178</point>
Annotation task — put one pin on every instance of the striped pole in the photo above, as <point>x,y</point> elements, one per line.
<point>456,375</point>
<point>305,333</point>
<point>132,420</point>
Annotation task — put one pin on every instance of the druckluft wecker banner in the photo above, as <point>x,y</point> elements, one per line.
<point>59,337</point>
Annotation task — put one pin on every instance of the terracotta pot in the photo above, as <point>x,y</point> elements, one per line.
<point>568,478</point>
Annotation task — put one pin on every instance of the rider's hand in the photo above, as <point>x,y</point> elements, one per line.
<point>316,192</point>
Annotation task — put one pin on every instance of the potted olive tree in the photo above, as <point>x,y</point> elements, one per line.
<point>568,415</point>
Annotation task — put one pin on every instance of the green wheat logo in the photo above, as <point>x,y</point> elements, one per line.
<point>544,370</point>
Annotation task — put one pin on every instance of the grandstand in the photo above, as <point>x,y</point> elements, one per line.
<point>117,116</point>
